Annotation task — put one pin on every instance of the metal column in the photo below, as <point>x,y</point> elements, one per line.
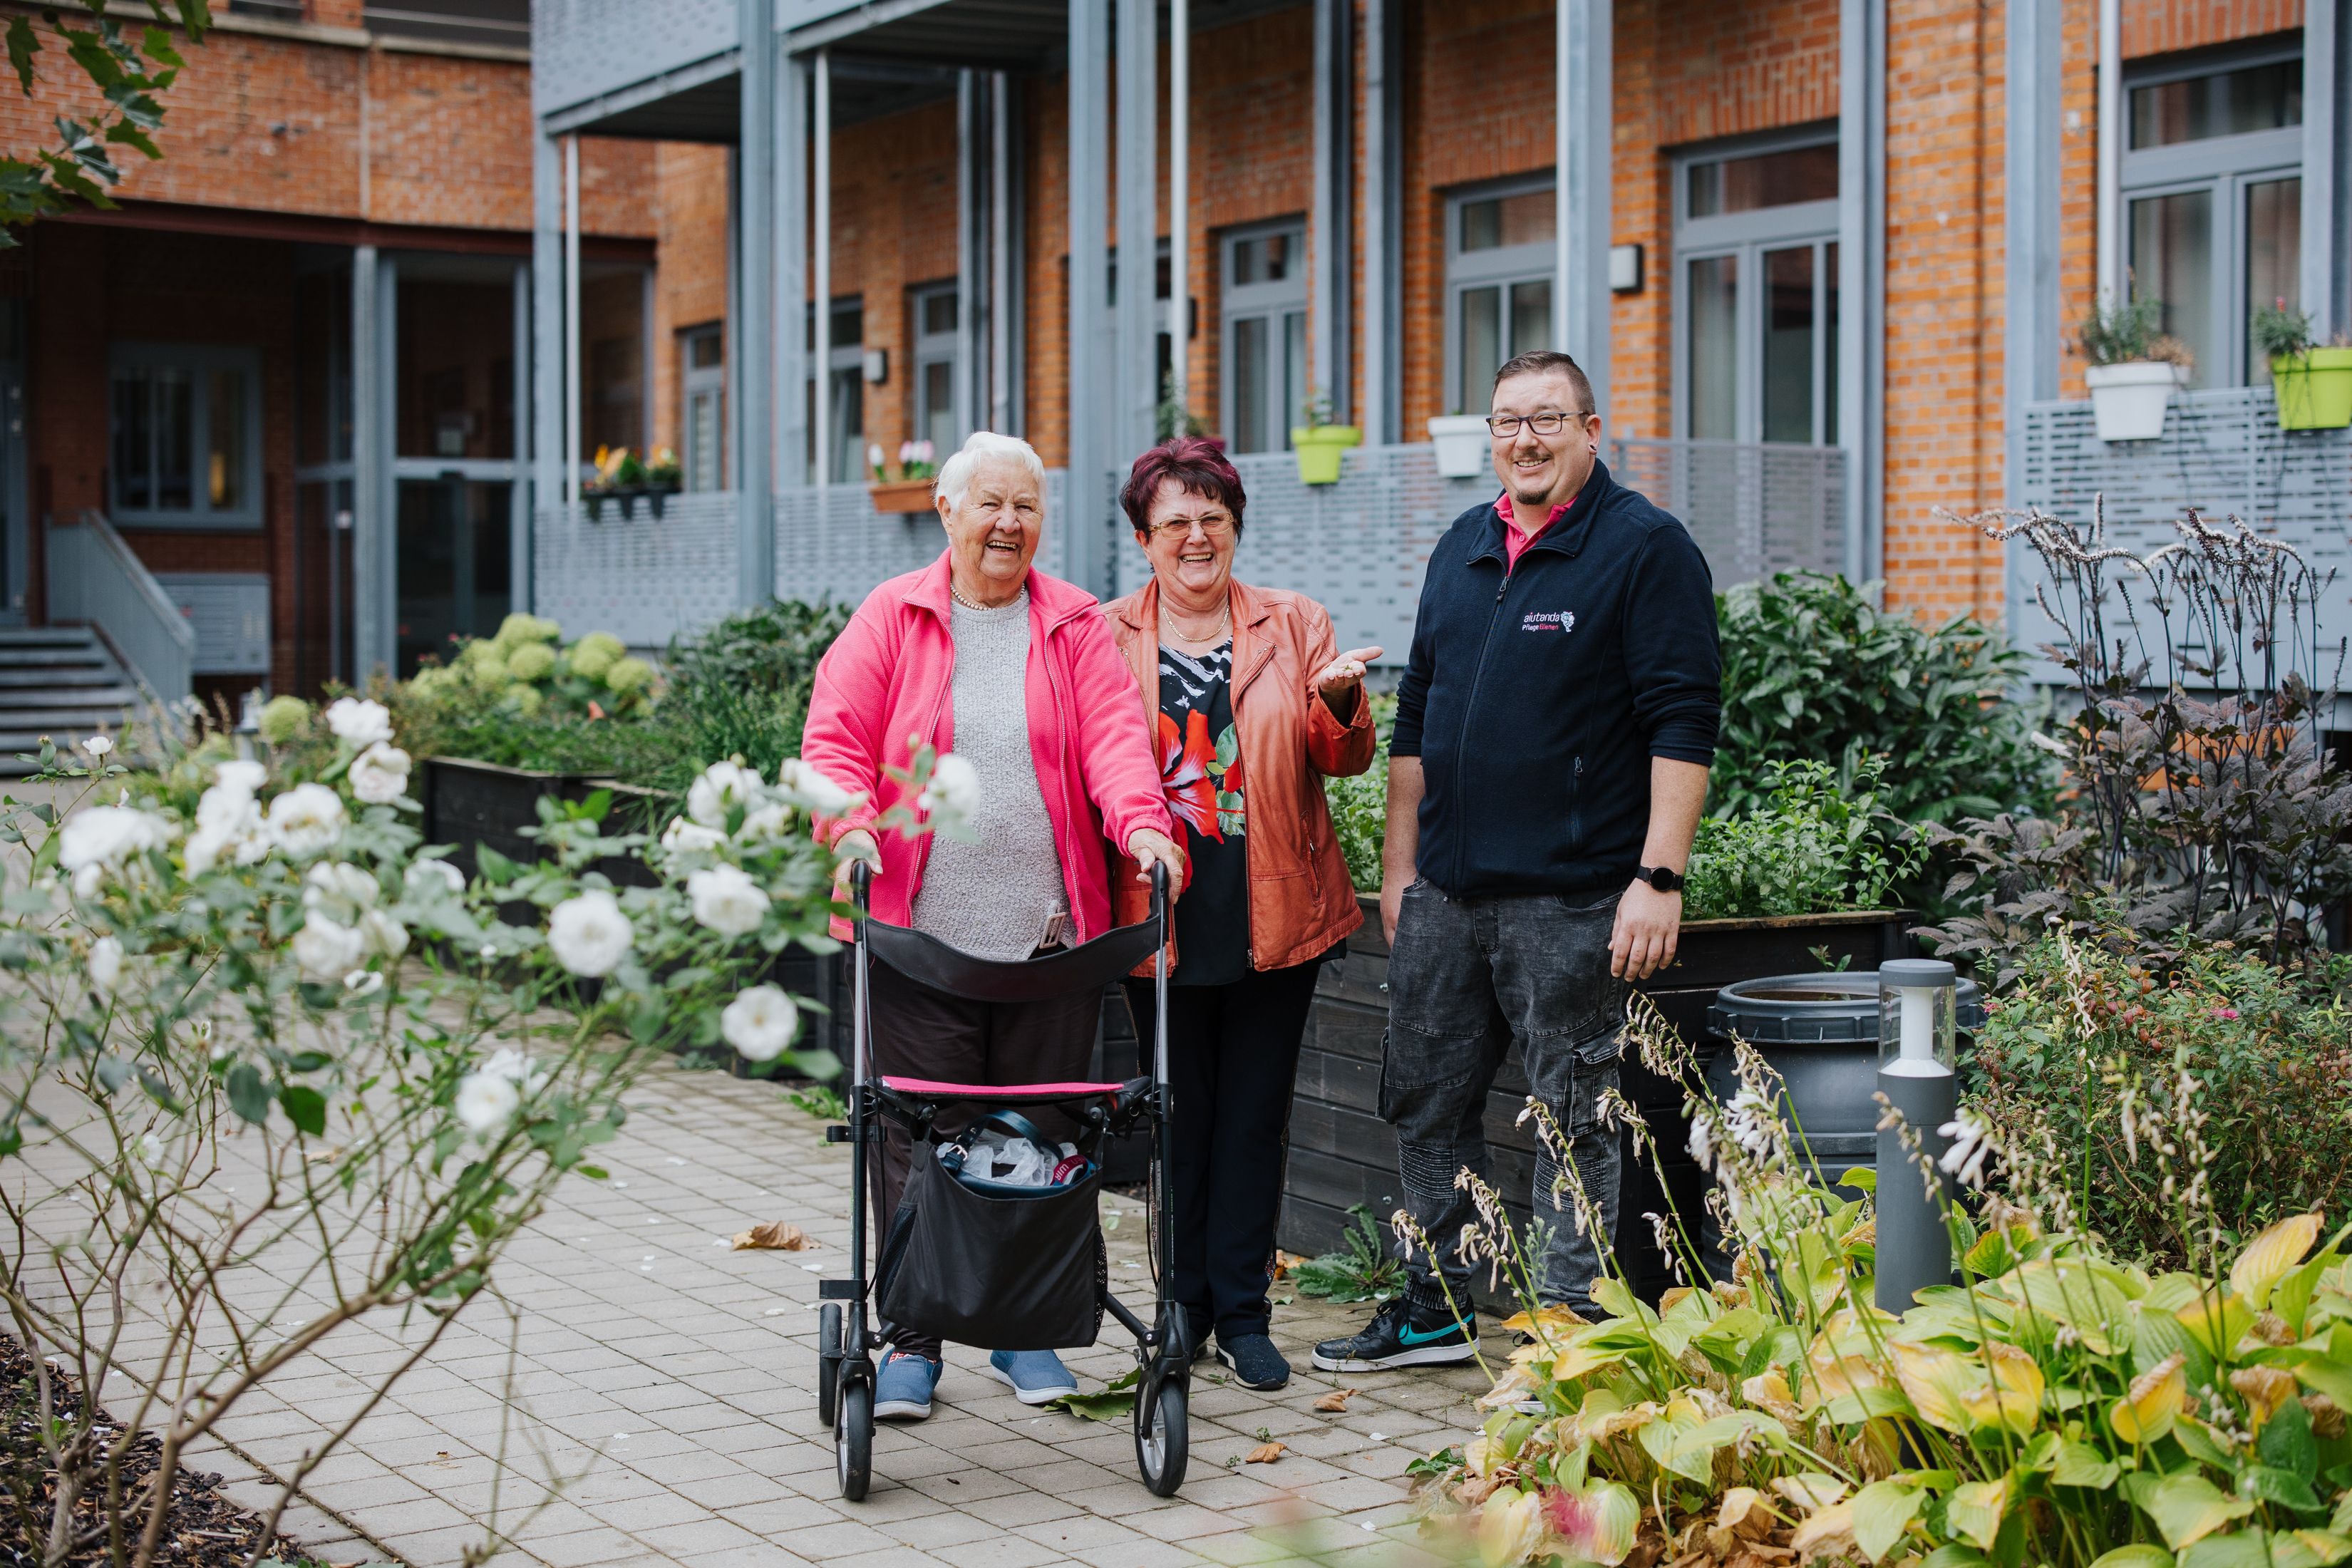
<point>375,544</point>
<point>787,328</point>
<point>571,368</point>
<point>2327,165</point>
<point>1327,214</point>
<point>755,236</point>
<point>1862,277</point>
<point>1584,88</point>
<point>1136,376</point>
<point>971,255</point>
<point>1376,415</point>
<point>821,243</point>
<point>1000,253</point>
<point>2032,337</point>
<point>1087,552</point>
<point>2107,187</point>
<point>547,346</point>
<point>520,575</point>
<point>1180,205</point>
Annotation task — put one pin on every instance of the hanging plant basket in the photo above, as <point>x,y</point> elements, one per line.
<point>1462,444</point>
<point>1320,448</point>
<point>2314,389</point>
<point>2128,400</point>
<point>901,496</point>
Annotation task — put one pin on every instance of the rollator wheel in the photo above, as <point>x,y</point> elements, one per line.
<point>853,1440</point>
<point>1162,1439</point>
<point>828,1362</point>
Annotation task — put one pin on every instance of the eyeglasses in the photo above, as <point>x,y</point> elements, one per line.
<point>1506,426</point>
<point>1215,526</point>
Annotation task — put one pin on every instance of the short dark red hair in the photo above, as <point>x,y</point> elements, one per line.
<point>1197,463</point>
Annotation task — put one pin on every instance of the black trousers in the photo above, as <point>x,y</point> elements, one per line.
<point>1232,1058</point>
<point>920,1032</point>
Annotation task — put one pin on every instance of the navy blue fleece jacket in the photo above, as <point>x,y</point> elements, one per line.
<point>1537,695</point>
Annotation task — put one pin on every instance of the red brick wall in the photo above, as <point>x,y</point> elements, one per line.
<point>691,184</point>
<point>894,217</point>
<point>2160,27</point>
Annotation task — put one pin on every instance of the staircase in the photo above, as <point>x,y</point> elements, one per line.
<point>59,682</point>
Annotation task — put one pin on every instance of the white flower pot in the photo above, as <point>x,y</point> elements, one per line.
<point>1462,444</point>
<point>2128,401</point>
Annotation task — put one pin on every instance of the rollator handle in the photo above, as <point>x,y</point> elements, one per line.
<point>861,884</point>
<point>1158,888</point>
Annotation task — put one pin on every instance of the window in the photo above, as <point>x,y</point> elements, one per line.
<point>936,365</point>
<point>1266,336</point>
<point>1756,319</point>
<point>1498,267</point>
<point>702,396</point>
<point>2212,194</point>
<point>187,439</point>
<point>846,408</point>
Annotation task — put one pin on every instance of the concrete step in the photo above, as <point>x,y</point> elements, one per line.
<point>98,679</point>
<point>24,710</point>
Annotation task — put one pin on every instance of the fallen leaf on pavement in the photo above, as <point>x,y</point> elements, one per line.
<point>1336,1400</point>
<point>778,1235</point>
<point>1263,1454</point>
<point>1115,1401</point>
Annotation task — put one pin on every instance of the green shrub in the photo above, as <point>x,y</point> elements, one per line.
<point>2100,1035</point>
<point>1815,845</point>
<point>1812,670</point>
<point>1359,806</point>
<point>741,687</point>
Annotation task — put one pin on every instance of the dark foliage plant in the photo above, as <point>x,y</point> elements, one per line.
<point>741,688</point>
<point>1812,670</point>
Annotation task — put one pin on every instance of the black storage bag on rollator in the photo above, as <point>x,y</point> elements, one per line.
<point>1013,1272</point>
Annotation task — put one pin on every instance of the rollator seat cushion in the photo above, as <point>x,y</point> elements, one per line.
<point>939,1091</point>
<point>1025,1273</point>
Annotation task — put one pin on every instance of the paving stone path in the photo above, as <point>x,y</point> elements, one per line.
<point>651,1392</point>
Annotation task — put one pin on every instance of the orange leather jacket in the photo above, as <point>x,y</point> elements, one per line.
<point>1301,903</point>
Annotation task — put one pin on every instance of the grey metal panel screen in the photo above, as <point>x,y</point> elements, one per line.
<point>644,581</point>
<point>583,48</point>
<point>1756,508</point>
<point>2221,453</point>
<point>230,614</point>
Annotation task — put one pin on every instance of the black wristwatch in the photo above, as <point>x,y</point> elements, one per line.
<point>1660,877</point>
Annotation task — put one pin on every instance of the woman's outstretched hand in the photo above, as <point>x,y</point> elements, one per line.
<point>1342,678</point>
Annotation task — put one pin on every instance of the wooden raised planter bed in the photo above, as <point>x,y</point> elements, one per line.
<point>1342,1153</point>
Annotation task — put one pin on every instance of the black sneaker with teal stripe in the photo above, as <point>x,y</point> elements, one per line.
<point>1399,1336</point>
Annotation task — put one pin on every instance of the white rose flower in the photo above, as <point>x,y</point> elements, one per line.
<point>306,819</point>
<point>383,934</point>
<point>721,788</point>
<point>362,982</point>
<point>485,1102</point>
<point>331,883</point>
<point>953,798</point>
<point>227,811</point>
<point>380,774</point>
<point>760,1023</point>
<point>203,851</point>
<point>589,934</point>
<point>811,790</point>
<point>326,949</point>
<point>151,1151</point>
<point>726,900</point>
<point>527,1075</point>
<point>240,776</point>
<point>105,965</point>
<point>682,835</point>
<point>430,878</point>
<point>361,724</point>
<point>766,824</point>
<point>103,837</point>
<point>97,745</point>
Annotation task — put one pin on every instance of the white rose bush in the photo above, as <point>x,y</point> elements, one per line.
<point>269,1064</point>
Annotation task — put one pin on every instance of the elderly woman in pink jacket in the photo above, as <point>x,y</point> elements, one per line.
<point>1016,671</point>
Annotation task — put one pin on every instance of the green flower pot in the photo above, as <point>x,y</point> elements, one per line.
<point>1319,447</point>
<point>2314,389</point>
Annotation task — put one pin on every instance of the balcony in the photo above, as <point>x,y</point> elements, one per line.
<point>1358,546</point>
<point>2222,453</point>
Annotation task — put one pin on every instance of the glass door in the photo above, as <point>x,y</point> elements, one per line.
<point>14,554</point>
<point>454,563</point>
<point>1266,337</point>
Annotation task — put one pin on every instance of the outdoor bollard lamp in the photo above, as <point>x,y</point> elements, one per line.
<point>1918,1008</point>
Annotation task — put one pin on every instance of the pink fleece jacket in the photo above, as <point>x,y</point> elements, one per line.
<point>885,688</point>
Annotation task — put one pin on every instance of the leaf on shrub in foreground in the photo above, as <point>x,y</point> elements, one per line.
<point>1883,1510</point>
<point>2186,1508</point>
<point>2269,1256</point>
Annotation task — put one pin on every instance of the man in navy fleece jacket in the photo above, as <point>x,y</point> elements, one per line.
<point>1553,735</point>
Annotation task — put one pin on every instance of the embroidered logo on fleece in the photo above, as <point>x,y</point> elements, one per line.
<point>1549,621</point>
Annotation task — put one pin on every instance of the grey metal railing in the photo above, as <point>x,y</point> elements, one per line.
<point>1755,508</point>
<point>95,579</point>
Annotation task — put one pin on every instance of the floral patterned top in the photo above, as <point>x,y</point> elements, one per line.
<point>1201,770</point>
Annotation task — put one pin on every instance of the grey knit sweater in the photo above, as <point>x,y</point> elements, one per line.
<point>999,895</point>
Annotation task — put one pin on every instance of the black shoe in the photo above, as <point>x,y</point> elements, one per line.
<point>1398,1336</point>
<point>1255,1362</point>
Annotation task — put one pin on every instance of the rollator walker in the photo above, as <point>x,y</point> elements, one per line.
<point>981,1263</point>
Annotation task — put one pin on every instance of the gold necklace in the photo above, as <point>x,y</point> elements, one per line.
<point>1225,620</point>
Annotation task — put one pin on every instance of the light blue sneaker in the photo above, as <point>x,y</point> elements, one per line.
<point>1035,1377</point>
<point>903,1388</point>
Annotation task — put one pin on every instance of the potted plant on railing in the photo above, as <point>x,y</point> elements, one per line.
<point>2313,384</point>
<point>911,491</point>
<point>2134,368</point>
<point>1461,441</point>
<point>665,476</point>
<point>1320,443</point>
<point>620,475</point>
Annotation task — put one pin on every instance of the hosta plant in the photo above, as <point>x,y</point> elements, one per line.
<point>2053,1407</point>
<point>270,1067</point>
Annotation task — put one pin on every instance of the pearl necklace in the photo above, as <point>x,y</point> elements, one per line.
<point>957,594</point>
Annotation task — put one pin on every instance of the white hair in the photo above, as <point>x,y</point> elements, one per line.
<point>955,474</point>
